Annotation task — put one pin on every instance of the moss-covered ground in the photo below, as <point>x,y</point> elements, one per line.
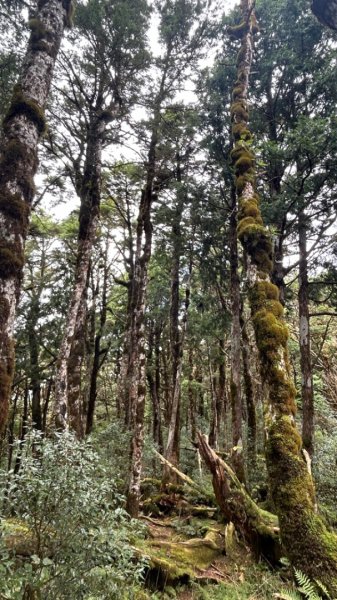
<point>202,559</point>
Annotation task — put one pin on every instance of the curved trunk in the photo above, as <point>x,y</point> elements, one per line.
<point>309,544</point>
<point>23,126</point>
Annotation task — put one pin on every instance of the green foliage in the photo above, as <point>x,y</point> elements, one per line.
<point>71,513</point>
<point>305,589</point>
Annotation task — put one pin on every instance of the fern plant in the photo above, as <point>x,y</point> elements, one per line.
<point>306,589</point>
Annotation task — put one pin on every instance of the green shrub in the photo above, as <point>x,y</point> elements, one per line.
<point>80,538</point>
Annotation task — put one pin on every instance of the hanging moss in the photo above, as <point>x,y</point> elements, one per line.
<point>15,151</point>
<point>21,105</point>
<point>270,332</point>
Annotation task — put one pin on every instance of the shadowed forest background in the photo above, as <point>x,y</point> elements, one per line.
<point>168,300</point>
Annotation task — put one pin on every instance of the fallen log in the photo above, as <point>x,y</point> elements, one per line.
<point>258,528</point>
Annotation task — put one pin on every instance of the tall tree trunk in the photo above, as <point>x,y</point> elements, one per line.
<point>137,357</point>
<point>35,380</point>
<point>213,437</point>
<point>90,192</point>
<point>249,393</point>
<point>172,445</point>
<point>304,329</point>
<point>314,551</point>
<point>97,358</point>
<point>74,370</point>
<point>235,383</point>
<point>23,126</point>
<point>153,377</point>
<point>192,396</point>
<point>137,354</point>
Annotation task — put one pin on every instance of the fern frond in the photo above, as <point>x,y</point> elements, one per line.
<point>305,586</point>
<point>323,589</point>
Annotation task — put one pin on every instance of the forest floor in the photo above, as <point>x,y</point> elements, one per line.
<point>200,558</point>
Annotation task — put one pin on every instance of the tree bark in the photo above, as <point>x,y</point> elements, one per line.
<point>307,391</point>
<point>172,445</point>
<point>235,382</point>
<point>23,126</point>
<point>153,377</point>
<point>74,371</point>
<point>90,192</point>
<point>249,393</point>
<point>97,358</point>
<point>314,551</point>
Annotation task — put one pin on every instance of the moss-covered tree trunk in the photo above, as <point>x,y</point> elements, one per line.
<point>310,546</point>
<point>23,126</point>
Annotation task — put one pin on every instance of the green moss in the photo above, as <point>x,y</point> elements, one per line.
<point>241,132</point>
<point>238,91</point>
<point>249,208</point>
<point>240,150</point>
<point>261,293</point>
<point>248,227</point>
<point>244,163</point>
<point>10,263</point>
<point>239,111</point>
<point>242,180</point>
<point>22,105</point>
<point>238,31</point>
<point>270,332</point>
<point>172,561</point>
<point>14,207</point>
<point>37,28</point>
